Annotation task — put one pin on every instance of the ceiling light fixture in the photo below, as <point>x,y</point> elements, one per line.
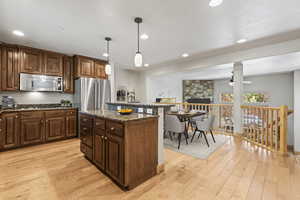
<point>107,66</point>
<point>185,55</point>
<point>144,36</point>
<point>215,3</point>
<point>105,55</point>
<point>18,33</point>
<point>241,41</point>
<point>138,59</point>
<point>146,65</point>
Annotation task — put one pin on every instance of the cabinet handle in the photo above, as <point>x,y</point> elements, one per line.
<point>105,138</point>
<point>102,136</point>
<point>84,120</point>
<point>85,129</point>
<point>16,117</point>
<point>112,128</point>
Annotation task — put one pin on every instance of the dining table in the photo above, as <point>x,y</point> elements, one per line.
<point>186,117</point>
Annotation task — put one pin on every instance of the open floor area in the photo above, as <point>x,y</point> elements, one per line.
<point>237,170</point>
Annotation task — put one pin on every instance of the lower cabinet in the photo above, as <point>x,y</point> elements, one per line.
<point>55,128</point>
<point>32,128</point>
<point>9,137</point>
<point>99,151</point>
<point>115,158</point>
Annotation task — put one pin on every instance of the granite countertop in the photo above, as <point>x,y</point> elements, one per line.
<point>34,109</point>
<point>140,104</point>
<point>113,115</point>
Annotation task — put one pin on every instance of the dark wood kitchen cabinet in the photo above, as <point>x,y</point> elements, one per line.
<point>53,64</point>
<point>84,67</point>
<point>9,68</point>
<point>71,123</point>
<point>124,150</point>
<point>31,60</point>
<point>55,125</point>
<point>9,137</point>
<point>100,70</point>
<point>86,136</point>
<point>68,75</point>
<point>32,127</point>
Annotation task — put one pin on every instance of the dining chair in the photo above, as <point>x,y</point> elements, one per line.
<point>203,127</point>
<point>173,125</point>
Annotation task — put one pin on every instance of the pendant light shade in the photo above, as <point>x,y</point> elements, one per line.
<point>108,66</point>
<point>108,69</point>
<point>138,59</point>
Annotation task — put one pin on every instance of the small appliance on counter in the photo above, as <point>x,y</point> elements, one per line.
<point>8,102</point>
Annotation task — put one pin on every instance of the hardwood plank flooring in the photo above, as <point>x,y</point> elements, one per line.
<point>236,171</point>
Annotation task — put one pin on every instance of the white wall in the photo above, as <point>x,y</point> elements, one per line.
<point>297,111</point>
<point>37,97</point>
<point>132,80</point>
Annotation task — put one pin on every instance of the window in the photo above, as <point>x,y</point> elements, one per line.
<point>251,97</point>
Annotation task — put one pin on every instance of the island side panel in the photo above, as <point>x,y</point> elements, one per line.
<point>141,150</point>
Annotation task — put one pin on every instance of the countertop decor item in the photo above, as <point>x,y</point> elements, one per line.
<point>125,111</point>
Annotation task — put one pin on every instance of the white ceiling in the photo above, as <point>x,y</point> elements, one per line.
<point>268,65</point>
<point>174,27</point>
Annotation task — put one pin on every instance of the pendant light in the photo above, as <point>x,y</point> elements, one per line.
<point>138,59</point>
<point>107,66</point>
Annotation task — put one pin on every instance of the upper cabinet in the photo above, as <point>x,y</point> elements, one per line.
<point>53,64</point>
<point>9,68</point>
<point>100,70</point>
<point>89,67</point>
<point>68,75</point>
<point>31,60</point>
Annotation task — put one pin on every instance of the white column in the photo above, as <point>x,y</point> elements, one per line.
<point>297,111</point>
<point>238,96</point>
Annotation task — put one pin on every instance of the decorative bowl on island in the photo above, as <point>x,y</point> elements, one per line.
<point>125,111</point>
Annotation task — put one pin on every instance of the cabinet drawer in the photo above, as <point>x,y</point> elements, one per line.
<point>86,121</point>
<point>32,114</point>
<point>99,124</point>
<point>55,113</point>
<point>114,128</point>
<point>71,112</point>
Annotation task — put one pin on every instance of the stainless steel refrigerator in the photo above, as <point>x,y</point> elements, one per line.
<point>91,93</point>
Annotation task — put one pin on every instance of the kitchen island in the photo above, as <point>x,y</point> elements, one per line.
<point>153,109</point>
<point>124,147</point>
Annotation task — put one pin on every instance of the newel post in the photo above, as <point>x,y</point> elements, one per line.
<point>283,129</point>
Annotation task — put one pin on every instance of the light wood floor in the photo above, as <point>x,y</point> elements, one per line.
<point>236,171</point>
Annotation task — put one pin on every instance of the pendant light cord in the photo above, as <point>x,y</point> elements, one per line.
<point>108,52</point>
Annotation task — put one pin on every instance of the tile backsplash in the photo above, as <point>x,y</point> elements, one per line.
<point>37,97</point>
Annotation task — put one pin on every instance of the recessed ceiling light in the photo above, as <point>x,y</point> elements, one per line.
<point>146,65</point>
<point>241,41</point>
<point>18,33</point>
<point>105,54</point>
<point>144,36</point>
<point>185,55</point>
<point>215,3</point>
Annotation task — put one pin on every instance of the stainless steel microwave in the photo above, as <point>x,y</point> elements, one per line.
<point>42,83</point>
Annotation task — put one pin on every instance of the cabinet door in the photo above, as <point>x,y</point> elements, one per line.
<point>115,158</point>
<point>55,128</point>
<point>100,70</point>
<point>71,126</point>
<point>10,131</point>
<point>32,131</point>
<point>31,60</point>
<point>85,67</point>
<point>99,151</point>
<point>53,64</point>
<point>9,71</point>
<point>68,75</point>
